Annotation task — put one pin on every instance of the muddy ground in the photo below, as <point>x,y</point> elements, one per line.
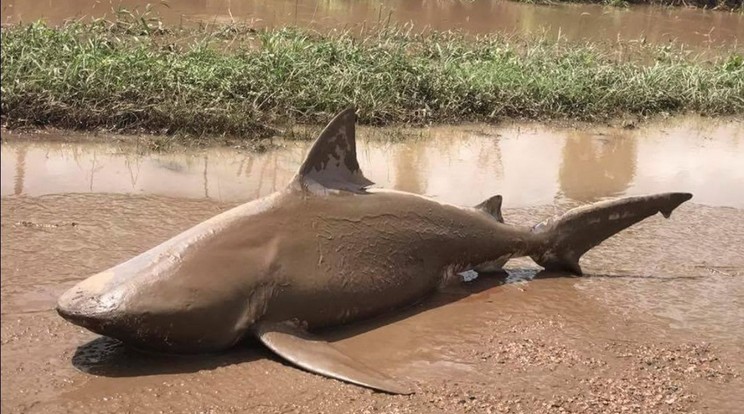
<point>656,326</point>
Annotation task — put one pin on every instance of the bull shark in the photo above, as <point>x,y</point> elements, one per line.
<point>324,251</point>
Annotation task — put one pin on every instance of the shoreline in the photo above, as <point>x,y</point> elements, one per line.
<point>306,132</point>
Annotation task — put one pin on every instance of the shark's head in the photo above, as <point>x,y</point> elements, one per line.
<point>148,317</point>
<point>194,293</point>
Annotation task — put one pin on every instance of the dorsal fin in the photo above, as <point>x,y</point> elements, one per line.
<point>332,161</point>
<point>492,206</point>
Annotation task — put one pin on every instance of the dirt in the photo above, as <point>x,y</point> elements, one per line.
<point>600,343</point>
<point>656,325</point>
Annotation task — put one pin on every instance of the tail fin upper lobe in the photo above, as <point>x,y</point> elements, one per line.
<point>569,236</point>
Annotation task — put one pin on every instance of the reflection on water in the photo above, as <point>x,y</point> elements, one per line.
<point>20,170</point>
<point>593,162</point>
<point>529,164</point>
<point>570,21</point>
<point>407,176</point>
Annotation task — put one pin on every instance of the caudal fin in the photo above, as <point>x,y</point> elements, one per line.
<point>570,235</point>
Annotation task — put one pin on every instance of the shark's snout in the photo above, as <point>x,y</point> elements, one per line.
<point>88,309</point>
<point>94,322</point>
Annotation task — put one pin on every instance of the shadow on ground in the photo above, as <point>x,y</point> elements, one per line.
<point>109,357</point>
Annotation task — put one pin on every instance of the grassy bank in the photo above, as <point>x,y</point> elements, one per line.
<point>138,76</point>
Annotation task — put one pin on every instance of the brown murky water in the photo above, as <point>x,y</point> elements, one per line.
<point>527,163</point>
<point>697,28</point>
<point>656,326</point>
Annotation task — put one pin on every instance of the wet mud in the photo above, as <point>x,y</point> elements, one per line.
<point>654,326</point>
<point>693,27</point>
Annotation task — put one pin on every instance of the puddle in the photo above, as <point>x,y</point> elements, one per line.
<point>528,164</point>
<point>696,28</point>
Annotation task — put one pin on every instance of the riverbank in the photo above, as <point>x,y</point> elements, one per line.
<point>142,76</point>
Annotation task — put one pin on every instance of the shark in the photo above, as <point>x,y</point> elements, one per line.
<point>326,250</point>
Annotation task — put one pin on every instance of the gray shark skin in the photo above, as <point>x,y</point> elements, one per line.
<point>324,251</point>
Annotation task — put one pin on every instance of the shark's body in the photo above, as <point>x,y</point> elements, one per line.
<point>322,252</point>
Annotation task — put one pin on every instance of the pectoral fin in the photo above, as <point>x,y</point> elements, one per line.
<point>297,346</point>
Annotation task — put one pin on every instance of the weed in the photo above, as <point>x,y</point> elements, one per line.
<point>136,75</point>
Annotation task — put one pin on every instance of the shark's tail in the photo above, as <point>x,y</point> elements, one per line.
<point>565,238</point>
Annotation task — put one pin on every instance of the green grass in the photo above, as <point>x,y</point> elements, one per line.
<point>136,75</point>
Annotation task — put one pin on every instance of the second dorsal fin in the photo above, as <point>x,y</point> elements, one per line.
<point>332,160</point>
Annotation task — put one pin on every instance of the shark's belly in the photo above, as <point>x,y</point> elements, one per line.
<point>334,285</point>
<point>332,306</point>
<point>364,256</point>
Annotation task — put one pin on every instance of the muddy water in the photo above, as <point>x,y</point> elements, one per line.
<point>529,164</point>
<point>655,326</point>
<point>569,21</point>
